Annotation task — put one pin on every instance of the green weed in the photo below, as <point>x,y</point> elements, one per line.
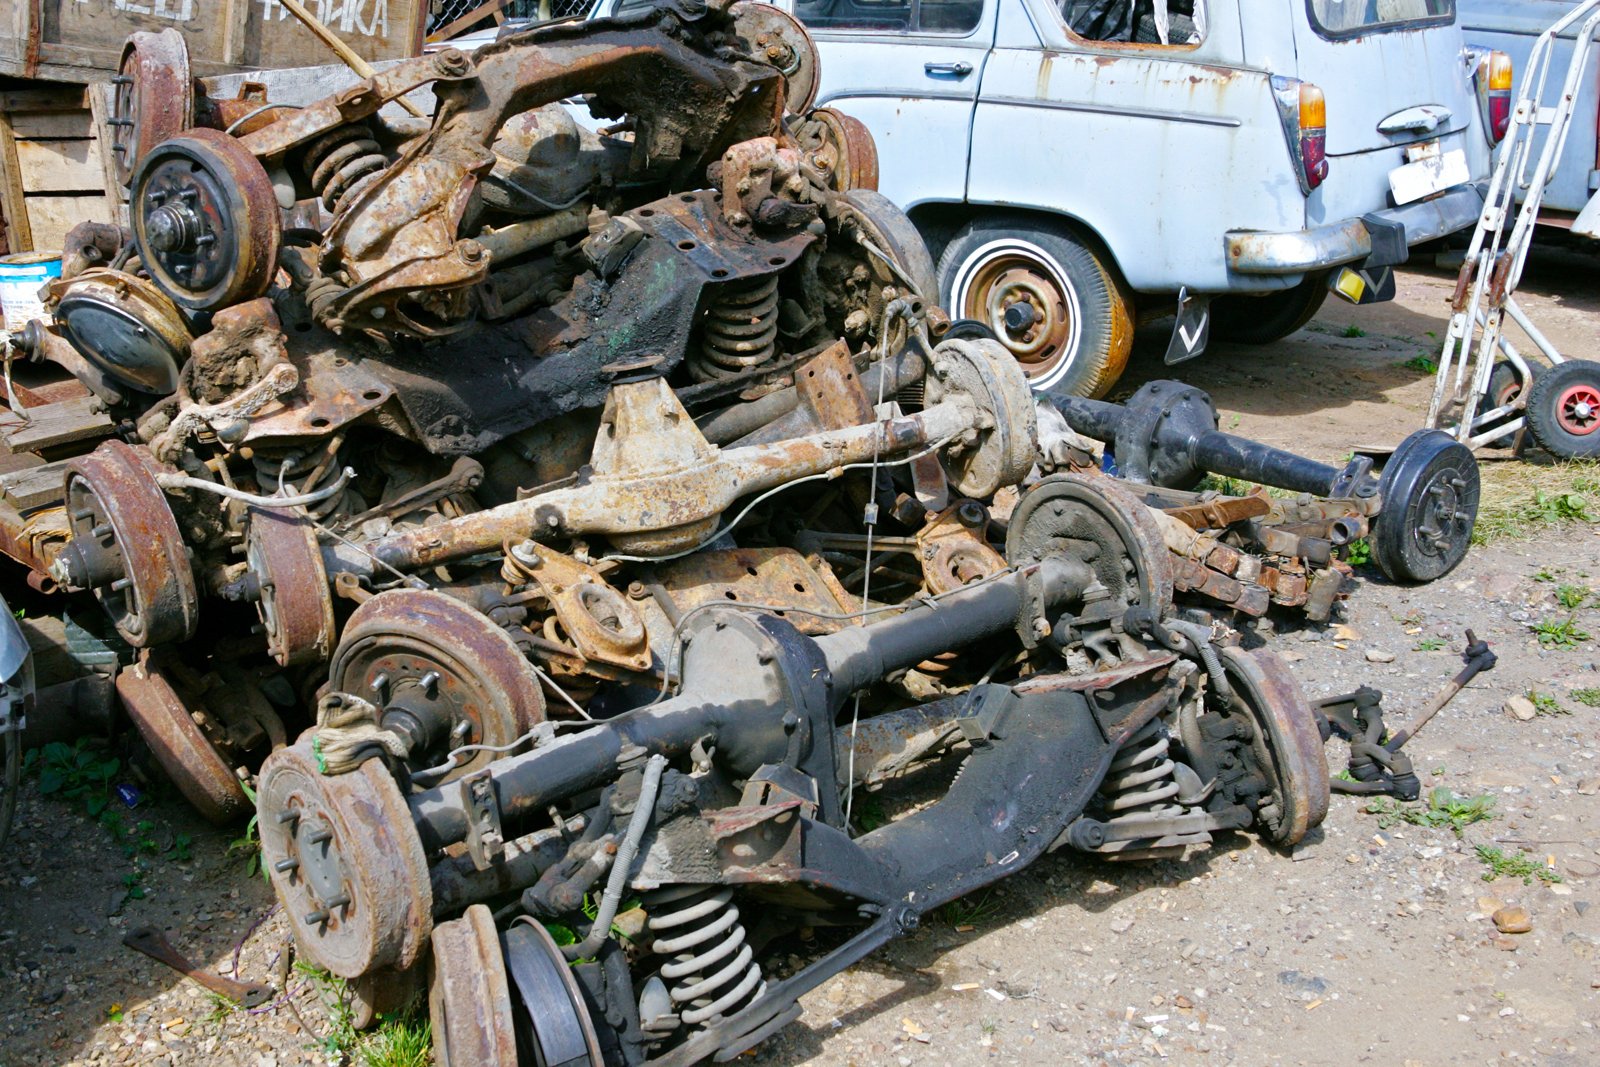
<point>1354,331</point>
<point>404,1040</point>
<point>74,773</point>
<point>1519,499</point>
<point>1589,697</point>
<point>1521,865</point>
<point>1422,364</point>
<point>1571,597</point>
<point>247,846</point>
<point>971,910</point>
<point>1443,808</point>
<point>1430,644</point>
<point>1545,704</point>
<point>1560,633</point>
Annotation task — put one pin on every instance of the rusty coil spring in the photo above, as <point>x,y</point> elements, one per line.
<point>740,332</point>
<point>710,970</point>
<point>1141,782</point>
<point>342,162</point>
<point>304,474</point>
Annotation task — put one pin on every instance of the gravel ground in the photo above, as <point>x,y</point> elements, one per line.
<point>1365,944</point>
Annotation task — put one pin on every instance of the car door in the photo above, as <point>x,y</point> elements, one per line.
<point>910,70</point>
<point>1157,148</point>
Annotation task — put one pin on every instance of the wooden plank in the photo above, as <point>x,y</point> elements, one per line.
<point>40,485</point>
<point>36,125</point>
<point>19,225</point>
<point>50,217</point>
<point>81,40</point>
<point>60,166</point>
<point>63,423</point>
<point>54,98</point>
<point>100,104</point>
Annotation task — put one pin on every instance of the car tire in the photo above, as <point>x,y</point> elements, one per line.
<point>1564,409</point>
<point>1504,387</point>
<point>1261,320</point>
<point>1082,331</point>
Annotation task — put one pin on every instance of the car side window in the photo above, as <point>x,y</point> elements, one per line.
<point>1177,23</point>
<point>957,17</point>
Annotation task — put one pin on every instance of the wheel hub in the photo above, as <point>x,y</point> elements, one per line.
<point>345,860</point>
<point>1578,410</point>
<point>1441,511</point>
<point>1026,309</point>
<point>442,674</point>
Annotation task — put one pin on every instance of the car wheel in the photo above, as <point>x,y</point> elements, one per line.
<point>1564,409</point>
<point>1261,320</point>
<point>1052,300</point>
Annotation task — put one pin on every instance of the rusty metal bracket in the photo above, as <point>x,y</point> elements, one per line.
<point>357,101</point>
<point>486,843</point>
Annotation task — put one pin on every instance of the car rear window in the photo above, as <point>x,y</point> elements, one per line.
<point>1343,18</point>
<point>892,16</point>
<point>1158,22</point>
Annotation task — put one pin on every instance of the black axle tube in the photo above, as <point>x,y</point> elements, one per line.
<point>1166,434</point>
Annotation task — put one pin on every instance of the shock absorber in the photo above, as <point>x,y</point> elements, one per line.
<point>1142,784</point>
<point>740,331</point>
<point>342,161</point>
<point>710,970</point>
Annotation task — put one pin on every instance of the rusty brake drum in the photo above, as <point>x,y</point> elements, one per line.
<point>841,147</point>
<point>469,996</point>
<point>1090,519</point>
<point>777,38</point>
<point>153,98</point>
<point>126,547</point>
<point>441,673</point>
<point>1284,740</point>
<point>205,777</point>
<point>346,862</point>
<point>492,993</point>
<point>293,598</point>
<point>126,327</point>
<point>205,220</point>
<point>999,450</point>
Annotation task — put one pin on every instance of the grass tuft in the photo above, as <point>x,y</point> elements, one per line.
<point>1518,865</point>
<point>1520,499</point>
<point>1442,809</point>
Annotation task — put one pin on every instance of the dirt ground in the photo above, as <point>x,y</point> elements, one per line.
<point>1367,944</point>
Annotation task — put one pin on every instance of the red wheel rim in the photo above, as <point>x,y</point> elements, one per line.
<point>1578,410</point>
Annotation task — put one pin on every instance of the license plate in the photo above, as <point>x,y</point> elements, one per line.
<point>1413,181</point>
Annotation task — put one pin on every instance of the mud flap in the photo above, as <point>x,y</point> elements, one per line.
<point>1192,330</point>
<point>1363,285</point>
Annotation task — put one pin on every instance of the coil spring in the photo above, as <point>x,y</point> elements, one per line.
<point>1142,783</point>
<point>740,331</point>
<point>295,478</point>
<point>710,969</point>
<point>341,162</point>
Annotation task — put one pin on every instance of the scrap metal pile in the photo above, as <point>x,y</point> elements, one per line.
<point>560,519</point>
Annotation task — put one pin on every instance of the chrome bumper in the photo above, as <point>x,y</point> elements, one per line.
<point>1251,252</point>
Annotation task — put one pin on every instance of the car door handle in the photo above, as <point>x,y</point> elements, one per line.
<point>960,68</point>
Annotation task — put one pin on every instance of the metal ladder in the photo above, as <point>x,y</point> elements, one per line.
<point>1486,287</point>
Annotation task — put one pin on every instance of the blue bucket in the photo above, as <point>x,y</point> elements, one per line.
<point>21,277</point>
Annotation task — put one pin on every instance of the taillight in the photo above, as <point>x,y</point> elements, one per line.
<point>1313,134</point>
<point>1494,94</point>
<point>1303,110</point>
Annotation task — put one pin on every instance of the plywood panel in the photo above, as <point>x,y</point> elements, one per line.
<point>61,166</point>
<point>50,217</point>
<point>36,124</point>
<point>81,40</point>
